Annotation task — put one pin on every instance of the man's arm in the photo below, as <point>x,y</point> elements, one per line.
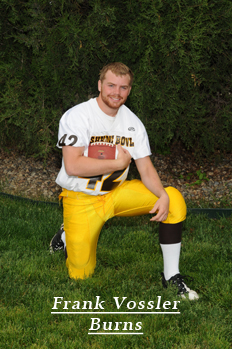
<point>151,180</point>
<point>78,165</point>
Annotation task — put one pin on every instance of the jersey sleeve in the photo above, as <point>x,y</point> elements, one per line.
<point>73,129</point>
<point>142,145</point>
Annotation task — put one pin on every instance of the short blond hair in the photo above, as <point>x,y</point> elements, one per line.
<point>117,68</point>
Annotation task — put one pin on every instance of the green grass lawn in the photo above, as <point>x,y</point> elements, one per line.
<point>129,263</point>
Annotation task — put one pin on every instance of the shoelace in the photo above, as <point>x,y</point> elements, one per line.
<point>179,281</point>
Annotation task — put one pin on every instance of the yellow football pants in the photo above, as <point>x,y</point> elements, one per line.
<point>85,215</point>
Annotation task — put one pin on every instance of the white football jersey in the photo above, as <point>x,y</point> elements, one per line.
<point>86,124</point>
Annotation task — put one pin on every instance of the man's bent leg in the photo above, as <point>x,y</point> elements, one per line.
<point>133,199</point>
<point>136,199</point>
<point>82,227</point>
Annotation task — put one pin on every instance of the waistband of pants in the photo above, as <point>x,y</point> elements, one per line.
<point>79,195</point>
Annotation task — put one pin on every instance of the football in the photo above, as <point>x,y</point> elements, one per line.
<point>102,151</point>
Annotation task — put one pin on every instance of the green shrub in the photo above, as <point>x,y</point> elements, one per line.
<point>180,52</point>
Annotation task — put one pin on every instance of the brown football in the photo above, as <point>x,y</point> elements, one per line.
<point>102,151</point>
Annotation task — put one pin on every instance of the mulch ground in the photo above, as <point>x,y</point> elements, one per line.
<point>209,180</point>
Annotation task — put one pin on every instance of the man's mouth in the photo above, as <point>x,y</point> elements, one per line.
<point>116,99</point>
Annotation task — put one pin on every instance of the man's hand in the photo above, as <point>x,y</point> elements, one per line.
<point>161,208</point>
<point>123,158</point>
<point>151,180</point>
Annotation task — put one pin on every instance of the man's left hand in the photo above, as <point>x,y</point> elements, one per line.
<point>161,208</point>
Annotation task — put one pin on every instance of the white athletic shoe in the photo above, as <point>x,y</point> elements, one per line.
<point>183,290</point>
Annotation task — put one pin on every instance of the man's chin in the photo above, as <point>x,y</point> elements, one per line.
<point>114,104</point>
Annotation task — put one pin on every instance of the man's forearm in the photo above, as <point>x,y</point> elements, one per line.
<point>153,183</point>
<point>150,177</point>
<point>78,165</point>
<point>87,167</point>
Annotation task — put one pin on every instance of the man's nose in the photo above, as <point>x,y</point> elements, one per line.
<point>117,90</point>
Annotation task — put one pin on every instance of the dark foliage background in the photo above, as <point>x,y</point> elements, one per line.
<point>179,50</point>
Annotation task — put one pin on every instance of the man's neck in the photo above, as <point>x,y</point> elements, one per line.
<point>107,110</point>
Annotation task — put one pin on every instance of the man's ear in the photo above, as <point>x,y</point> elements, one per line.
<point>99,85</point>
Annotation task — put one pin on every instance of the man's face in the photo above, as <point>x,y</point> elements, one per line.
<point>114,91</point>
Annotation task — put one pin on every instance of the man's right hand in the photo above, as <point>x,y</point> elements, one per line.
<point>123,158</point>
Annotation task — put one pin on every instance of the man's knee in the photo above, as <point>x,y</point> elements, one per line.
<point>81,262</point>
<point>79,254</point>
<point>80,273</point>
<point>177,206</point>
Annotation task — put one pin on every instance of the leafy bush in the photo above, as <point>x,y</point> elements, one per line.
<point>183,87</point>
<point>180,52</point>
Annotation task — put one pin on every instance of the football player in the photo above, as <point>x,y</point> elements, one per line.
<point>98,140</point>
